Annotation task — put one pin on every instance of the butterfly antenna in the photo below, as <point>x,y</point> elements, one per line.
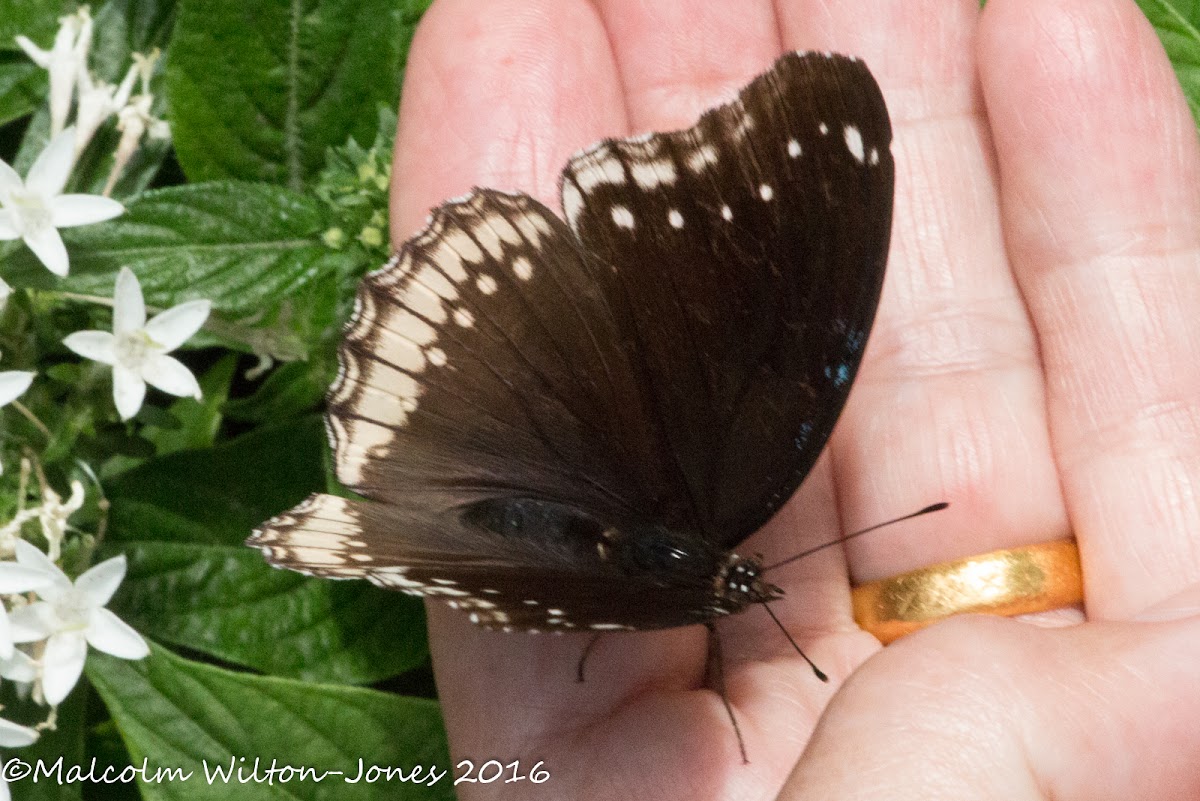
<point>820,674</point>
<point>937,507</point>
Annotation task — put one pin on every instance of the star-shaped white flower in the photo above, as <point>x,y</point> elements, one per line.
<point>34,209</point>
<point>137,350</point>
<point>70,617</point>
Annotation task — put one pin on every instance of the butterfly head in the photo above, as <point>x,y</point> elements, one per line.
<point>741,583</point>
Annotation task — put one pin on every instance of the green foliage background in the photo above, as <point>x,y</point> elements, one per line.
<point>282,129</point>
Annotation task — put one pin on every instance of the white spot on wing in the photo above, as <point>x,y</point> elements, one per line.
<point>745,125</point>
<point>600,168</point>
<point>447,258</point>
<point>572,200</point>
<point>766,192</point>
<point>701,157</point>
<point>649,174</point>
<point>727,212</point>
<point>874,157</point>
<point>487,285</point>
<point>462,244</point>
<point>489,239</point>
<point>522,268</point>
<point>399,322</point>
<point>675,218</point>
<point>854,142</point>
<point>823,128</point>
<point>355,439</point>
<point>533,228</point>
<point>794,149</point>
<point>622,216</point>
<point>464,318</point>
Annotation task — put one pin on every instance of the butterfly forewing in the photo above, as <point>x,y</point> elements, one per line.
<point>747,255</point>
<point>568,424</point>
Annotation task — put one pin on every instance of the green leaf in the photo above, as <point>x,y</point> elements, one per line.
<point>1178,26</point>
<point>22,87</point>
<point>192,424</point>
<point>37,19</point>
<point>124,27</point>
<point>105,744</point>
<point>181,714</point>
<point>288,391</point>
<point>260,90</point>
<point>182,519</point>
<point>227,603</point>
<point>252,249</point>
<point>231,488</point>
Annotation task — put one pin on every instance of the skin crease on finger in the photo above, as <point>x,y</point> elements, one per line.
<point>501,96</point>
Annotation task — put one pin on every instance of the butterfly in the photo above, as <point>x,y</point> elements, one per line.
<point>569,424</point>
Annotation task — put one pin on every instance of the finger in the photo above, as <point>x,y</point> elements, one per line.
<point>1099,163</point>
<point>678,58</point>
<point>499,94</point>
<point>983,708</point>
<point>949,402</point>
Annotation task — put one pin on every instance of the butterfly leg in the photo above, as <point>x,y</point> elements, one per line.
<point>714,670</point>
<point>587,651</point>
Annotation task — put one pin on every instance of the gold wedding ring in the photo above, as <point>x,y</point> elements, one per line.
<point>1014,581</point>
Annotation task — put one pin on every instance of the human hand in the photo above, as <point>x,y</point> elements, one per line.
<point>1034,362</point>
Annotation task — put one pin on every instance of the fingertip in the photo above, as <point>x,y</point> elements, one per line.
<point>499,94</point>
<point>1082,90</point>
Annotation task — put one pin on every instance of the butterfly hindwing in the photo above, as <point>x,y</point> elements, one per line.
<point>549,579</point>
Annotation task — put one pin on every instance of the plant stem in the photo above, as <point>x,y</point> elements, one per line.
<point>33,418</point>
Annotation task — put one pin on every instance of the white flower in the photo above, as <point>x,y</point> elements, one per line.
<point>13,735</point>
<point>98,100</point>
<point>13,384</point>
<point>16,578</point>
<point>66,58</point>
<point>72,616</point>
<point>5,291</point>
<point>137,350</point>
<point>35,208</point>
<point>134,118</point>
